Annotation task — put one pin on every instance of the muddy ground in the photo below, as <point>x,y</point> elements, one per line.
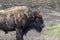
<point>51,16</point>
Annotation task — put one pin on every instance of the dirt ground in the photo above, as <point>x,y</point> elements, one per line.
<point>51,16</point>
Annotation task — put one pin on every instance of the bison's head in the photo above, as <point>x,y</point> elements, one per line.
<point>36,21</point>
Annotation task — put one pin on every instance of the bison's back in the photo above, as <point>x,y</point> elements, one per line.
<point>18,12</point>
<point>13,16</point>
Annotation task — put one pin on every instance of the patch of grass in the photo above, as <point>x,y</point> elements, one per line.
<point>52,31</point>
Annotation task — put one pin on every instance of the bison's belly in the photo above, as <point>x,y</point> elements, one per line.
<point>6,27</point>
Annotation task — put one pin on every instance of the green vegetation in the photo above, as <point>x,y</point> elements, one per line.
<point>52,31</point>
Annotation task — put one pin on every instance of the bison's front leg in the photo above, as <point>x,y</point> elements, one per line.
<point>19,34</point>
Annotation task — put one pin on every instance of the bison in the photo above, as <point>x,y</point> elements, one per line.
<point>21,20</point>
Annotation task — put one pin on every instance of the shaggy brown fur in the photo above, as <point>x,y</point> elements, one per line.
<point>16,11</point>
<point>14,18</point>
<point>19,18</point>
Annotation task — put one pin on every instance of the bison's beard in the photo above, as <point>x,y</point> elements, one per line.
<point>34,24</point>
